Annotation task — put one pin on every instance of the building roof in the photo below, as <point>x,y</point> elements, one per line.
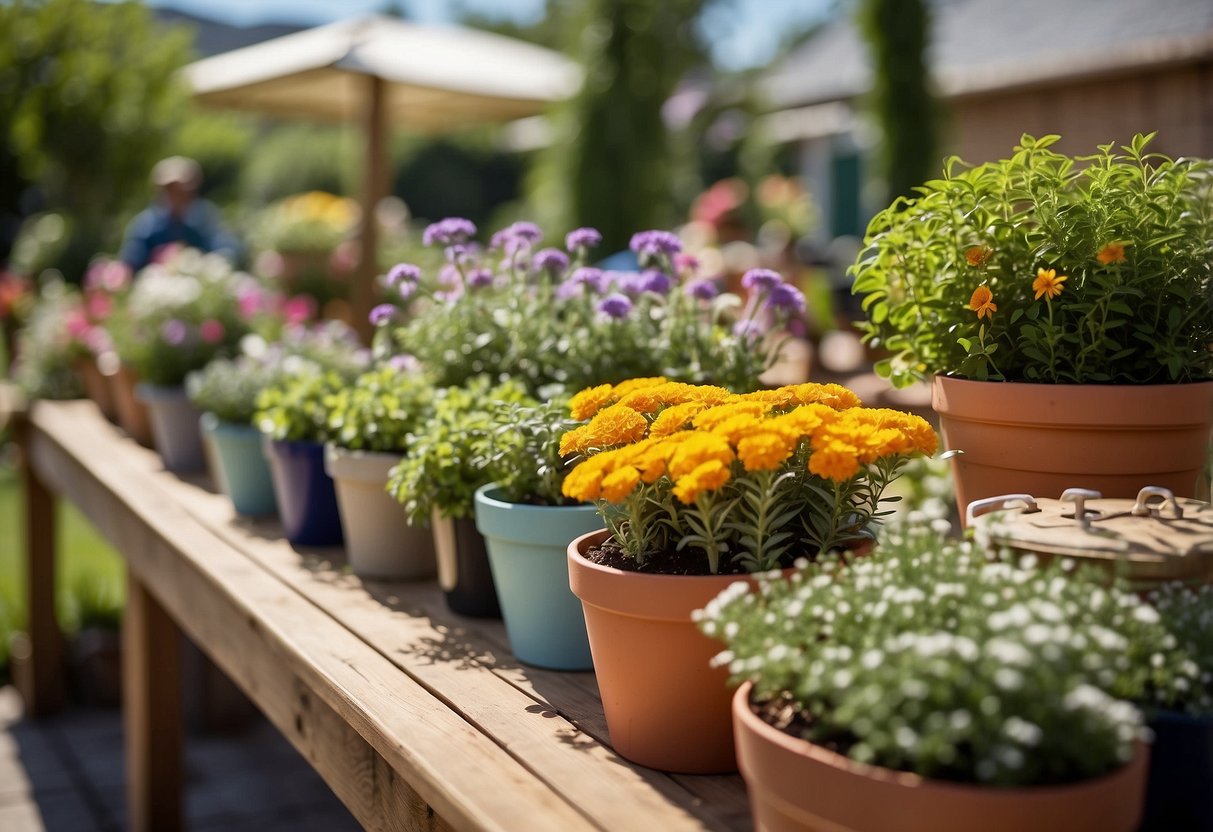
<point>986,45</point>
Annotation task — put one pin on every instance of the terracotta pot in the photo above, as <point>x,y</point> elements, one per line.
<point>379,541</point>
<point>96,386</point>
<point>795,785</point>
<point>665,706</point>
<point>1044,438</point>
<point>132,414</point>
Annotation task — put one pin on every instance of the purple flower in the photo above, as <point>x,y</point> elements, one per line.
<point>480,277</point>
<point>786,297</point>
<point>382,314</point>
<point>748,330</point>
<point>449,231</point>
<point>462,253</point>
<point>761,279</point>
<point>406,290</point>
<point>551,260</point>
<point>630,283</point>
<point>582,238</point>
<point>657,282</point>
<point>703,288</point>
<point>596,280</point>
<point>173,331</point>
<point>449,275</point>
<point>686,264</point>
<point>514,237</point>
<point>570,289</point>
<point>403,273</point>
<point>615,306</point>
<point>652,243</point>
<point>404,363</point>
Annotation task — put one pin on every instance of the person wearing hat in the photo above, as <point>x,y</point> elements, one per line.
<point>177,215</point>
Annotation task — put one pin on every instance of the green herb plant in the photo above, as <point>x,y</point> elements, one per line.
<point>379,410</point>
<point>296,407</point>
<point>523,451</point>
<point>1047,268</point>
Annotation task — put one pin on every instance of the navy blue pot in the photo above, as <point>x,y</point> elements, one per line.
<point>307,501</point>
<point>1179,794</point>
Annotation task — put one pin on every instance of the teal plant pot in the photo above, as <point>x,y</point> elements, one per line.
<point>239,465</point>
<point>174,421</point>
<point>528,554</point>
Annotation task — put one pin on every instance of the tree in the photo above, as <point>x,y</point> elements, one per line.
<point>898,32</point>
<point>612,158</point>
<point>88,98</point>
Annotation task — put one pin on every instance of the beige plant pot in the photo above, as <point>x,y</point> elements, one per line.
<point>379,541</point>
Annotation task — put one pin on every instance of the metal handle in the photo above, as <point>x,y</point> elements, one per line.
<point>1142,507</point>
<point>1079,497</point>
<point>980,507</point>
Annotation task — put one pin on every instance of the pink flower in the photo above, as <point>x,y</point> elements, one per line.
<point>166,252</point>
<point>212,331</point>
<point>299,309</point>
<point>269,264</point>
<point>98,306</point>
<point>108,276</point>
<point>250,302</point>
<point>77,325</point>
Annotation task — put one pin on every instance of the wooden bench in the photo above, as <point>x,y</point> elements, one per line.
<point>417,718</point>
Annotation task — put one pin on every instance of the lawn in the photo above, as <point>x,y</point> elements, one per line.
<point>91,585</point>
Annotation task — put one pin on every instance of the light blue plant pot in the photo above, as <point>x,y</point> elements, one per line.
<point>174,421</point>
<point>240,467</point>
<point>528,548</point>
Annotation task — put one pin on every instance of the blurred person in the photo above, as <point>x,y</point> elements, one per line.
<point>177,215</point>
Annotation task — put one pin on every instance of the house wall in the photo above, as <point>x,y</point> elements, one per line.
<point>1176,101</point>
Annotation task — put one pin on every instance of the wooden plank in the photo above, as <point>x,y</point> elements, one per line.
<point>151,712</point>
<point>39,660</point>
<point>551,722</point>
<point>312,677</point>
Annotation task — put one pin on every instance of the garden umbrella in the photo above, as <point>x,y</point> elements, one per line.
<point>381,71</point>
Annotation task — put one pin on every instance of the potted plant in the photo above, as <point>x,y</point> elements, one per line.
<point>527,525</point>
<point>293,417</point>
<point>45,346</point>
<point>1062,306</point>
<point>437,481</point>
<point>226,392</point>
<point>928,688</point>
<point>548,320</point>
<point>697,486</point>
<point>177,317</point>
<point>370,422</point>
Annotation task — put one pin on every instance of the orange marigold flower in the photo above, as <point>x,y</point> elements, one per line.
<point>675,418</point>
<point>978,255</point>
<point>584,482</point>
<point>589,401</point>
<point>573,441</point>
<point>764,450</point>
<point>708,476</point>
<point>617,485</point>
<point>1048,283</point>
<point>696,449</point>
<point>625,387</point>
<point>1111,253</point>
<point>834,460</point>
<point>713,416</point>
<point>982,302</point>
<point>612,426</point>
<point>736,427</point>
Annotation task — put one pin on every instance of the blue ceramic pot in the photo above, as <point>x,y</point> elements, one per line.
<point>1179,794</point>
<point>528,553</point>
<point>174,422</point>
<point>307,502</point>
<point>239,466</point>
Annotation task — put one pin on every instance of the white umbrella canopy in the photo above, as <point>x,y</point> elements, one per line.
<point>383,71</point>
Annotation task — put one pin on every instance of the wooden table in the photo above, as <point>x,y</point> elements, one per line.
<point>416,717</point>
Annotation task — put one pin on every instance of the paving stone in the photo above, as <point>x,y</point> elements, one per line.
<point>63,811</point>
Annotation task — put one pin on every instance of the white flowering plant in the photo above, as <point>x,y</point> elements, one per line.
<point>547,318</point>
<point>1187,613</point>
<point>926,657</point>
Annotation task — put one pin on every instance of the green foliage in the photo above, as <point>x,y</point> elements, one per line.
<point>295,408</point>
<point>926,658</point>
<point>444,465</point>
<point>228,387</point>
<point>380,410</point>
<point>89,96</point>
<point>294,159</point>
<point>1129,231</point>
<point>898,33</point>
<point>523,451</point>
<point>178,316</point>
<point>1187,613</point>
<point>613,155</point>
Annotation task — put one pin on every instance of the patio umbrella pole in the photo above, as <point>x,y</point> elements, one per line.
<point>374,188</point>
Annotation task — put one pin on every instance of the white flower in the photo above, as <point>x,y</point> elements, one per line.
<point>1022,731</point>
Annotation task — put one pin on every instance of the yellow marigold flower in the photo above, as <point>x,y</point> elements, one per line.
<point>617,485</point>
<point>736,427</point>
<point>707,394</point>
<point>709,476</point>
<point>1111,253</point>
<point>777,398</point>
<point>834,460</point>
<point>977,256</point>
<point>696,449</point>
<point>1047,284</point>
<point>589,401</point>
<point>801,422</point>
<point>834,395</point>
<point>625,387</point>
<point>916,429</point>
<point>708,419</point>
<point>584,482</point>
<point>612,426</point>
<point>982,302</point>
<point>675,418</point>
<point>764,450</point>
<point>573,441</point>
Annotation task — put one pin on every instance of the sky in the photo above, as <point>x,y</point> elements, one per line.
<point>742,33</point>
